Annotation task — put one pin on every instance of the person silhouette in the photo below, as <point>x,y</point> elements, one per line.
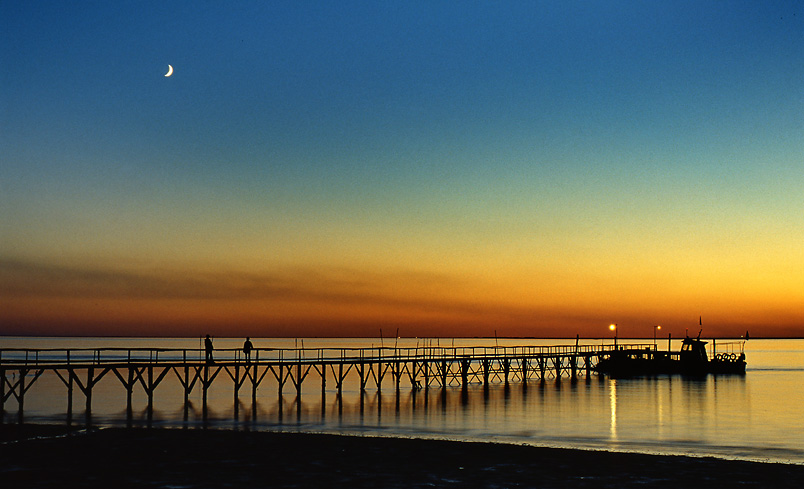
<point>247,347</point>
<point>208,349</point>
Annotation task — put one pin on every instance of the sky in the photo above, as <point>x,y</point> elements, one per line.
<point>434,168</point>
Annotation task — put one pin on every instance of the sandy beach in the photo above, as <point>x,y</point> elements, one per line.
<point>50,456</point>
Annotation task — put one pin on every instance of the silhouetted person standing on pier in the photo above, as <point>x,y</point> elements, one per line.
<point>247,347</point>
<point>208,349</point>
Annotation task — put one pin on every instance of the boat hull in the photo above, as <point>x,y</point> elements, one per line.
<point>629,366</point>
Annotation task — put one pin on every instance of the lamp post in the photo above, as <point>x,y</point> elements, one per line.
<point>655,328</point>
<point>613,327</point>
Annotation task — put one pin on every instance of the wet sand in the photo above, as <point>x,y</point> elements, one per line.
<point>36,457</point>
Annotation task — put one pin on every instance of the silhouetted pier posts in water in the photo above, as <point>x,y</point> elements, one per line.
<point>416,368</point>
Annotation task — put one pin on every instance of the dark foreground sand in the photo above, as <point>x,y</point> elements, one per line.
<point>151,458</point>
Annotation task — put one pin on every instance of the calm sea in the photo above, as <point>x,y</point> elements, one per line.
<point>759,416</point>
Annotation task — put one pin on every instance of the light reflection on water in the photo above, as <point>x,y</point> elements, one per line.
<point>755,417</point>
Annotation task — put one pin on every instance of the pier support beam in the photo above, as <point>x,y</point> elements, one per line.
<point>361,370</point>
<point>464,372</point>
<point>573,367</point>
<point>298,379</point>
<point>88,391</point>
<point>251,372</point>
<point>281,380</point>
<point>149,391</point>
<point>413,371</point>
<point>339,376</point>
<point>238,381</point>
<point>204,388</point>
<point>129,385</point>
<point>524,370</point>
<point>206,382</point>
<point>185,384</point>
<point>21,396</point>
<point>444,371</point>
<point>558,364</point>
<point>397,373</point>
<point>2,395</point>
<point>237,384</point>
<point>323,372</point>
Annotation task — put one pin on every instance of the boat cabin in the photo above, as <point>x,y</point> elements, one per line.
<point>694,350</point>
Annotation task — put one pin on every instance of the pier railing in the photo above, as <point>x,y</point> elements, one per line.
<point>165,356</point>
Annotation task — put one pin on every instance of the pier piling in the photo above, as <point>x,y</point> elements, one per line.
<point>419,367</point>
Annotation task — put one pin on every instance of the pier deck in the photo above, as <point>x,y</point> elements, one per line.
<point>80,370</point>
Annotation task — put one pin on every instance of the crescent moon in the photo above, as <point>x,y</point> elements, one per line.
<point>170,71</point>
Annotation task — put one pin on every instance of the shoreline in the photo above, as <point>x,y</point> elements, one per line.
<point>43,456</point>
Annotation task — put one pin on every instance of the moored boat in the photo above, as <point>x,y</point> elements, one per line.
<point>692,359</point>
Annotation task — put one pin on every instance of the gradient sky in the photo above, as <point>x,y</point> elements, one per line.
<point>445,168</point>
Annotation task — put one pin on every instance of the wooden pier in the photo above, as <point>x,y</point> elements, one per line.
<point>80,370</point>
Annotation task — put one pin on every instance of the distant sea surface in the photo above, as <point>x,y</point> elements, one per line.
<point>759,416</point>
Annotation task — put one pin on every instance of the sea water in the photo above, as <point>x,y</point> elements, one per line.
<point>759,416</point>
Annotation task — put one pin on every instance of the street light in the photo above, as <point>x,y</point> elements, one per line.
<point>613,327</point>
<point>655,328</point>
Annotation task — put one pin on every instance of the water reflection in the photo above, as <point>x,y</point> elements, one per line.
<point>591,413</point>
<point>753,416</point>
<point>613,408</point>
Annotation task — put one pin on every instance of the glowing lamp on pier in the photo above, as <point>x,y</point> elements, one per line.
<point>655,329</point>
<point>613,327</point>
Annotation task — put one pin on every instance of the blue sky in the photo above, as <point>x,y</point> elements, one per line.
<point>479,140</point>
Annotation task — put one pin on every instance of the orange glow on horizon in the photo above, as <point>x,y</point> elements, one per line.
<point>297,303</point>
<point>357,315</point>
